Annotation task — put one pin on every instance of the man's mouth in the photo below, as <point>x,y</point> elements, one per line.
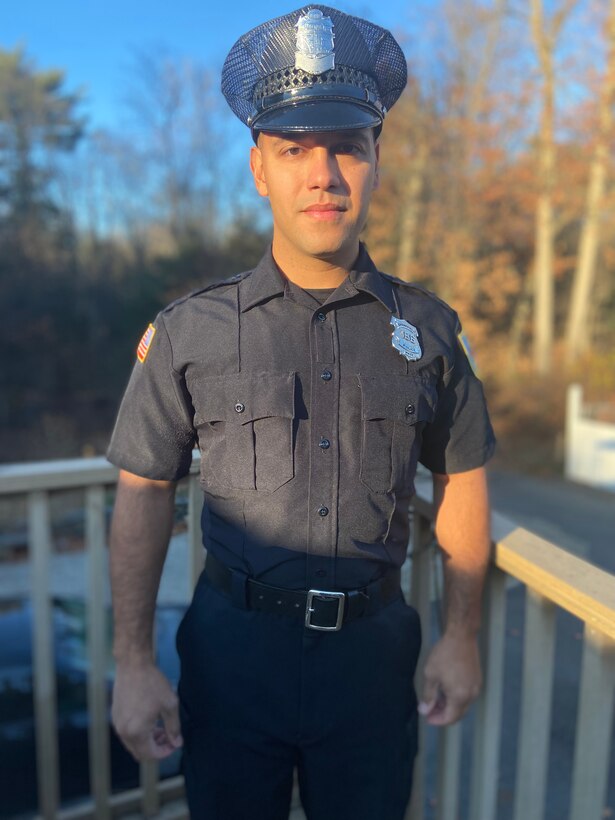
<point>324,210</point>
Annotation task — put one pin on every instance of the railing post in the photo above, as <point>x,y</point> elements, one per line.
<point>195,541</point>
<point>488,723</point>
<point>44,676</point>
<point>537,689</point>
<point>594,721</point>
<point>98,735</point>
<point>149,776</point>
<point>420,598</point>
<point>449,760</point>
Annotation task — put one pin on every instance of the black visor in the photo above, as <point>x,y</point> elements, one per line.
<point>317,115</point>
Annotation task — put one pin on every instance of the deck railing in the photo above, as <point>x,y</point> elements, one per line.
<point>554,580</point>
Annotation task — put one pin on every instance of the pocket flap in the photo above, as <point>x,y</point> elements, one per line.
<point>400,398</point>
<point>244,397</point>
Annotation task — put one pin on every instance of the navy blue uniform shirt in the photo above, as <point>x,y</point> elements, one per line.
<point>309,422</point>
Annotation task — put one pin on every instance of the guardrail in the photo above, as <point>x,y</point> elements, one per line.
<point>553,578</point>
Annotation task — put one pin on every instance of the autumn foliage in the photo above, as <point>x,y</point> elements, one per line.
<point>457,206</point>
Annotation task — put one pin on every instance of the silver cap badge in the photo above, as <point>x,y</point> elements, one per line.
<point>406,339</point>
<point>314,52</point>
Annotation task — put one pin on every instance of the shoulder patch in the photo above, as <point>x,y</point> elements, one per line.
<point>145,343</point>
<point>231,280</point>
<point>465,346</point>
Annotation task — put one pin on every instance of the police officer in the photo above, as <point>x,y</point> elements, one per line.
<point>312,386</point>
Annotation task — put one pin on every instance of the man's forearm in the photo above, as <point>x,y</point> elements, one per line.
<point>452,673</point>
<point>140,532</point>
<point>463,533</point>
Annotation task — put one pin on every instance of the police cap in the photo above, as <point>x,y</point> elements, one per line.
<point>315,69</point>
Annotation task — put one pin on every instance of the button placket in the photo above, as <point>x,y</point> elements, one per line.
<point>324,409</point>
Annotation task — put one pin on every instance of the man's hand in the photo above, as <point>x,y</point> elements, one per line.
<point>145,712</point>
<point>452,679</point>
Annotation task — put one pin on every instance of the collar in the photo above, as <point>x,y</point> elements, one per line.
<point>266,281</point>
<point>366,277</point>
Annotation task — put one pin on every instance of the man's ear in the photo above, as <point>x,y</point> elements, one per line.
<point>258,172</point>
<point>377,172</point>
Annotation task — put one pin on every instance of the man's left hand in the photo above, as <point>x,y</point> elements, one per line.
<point>452,679</point>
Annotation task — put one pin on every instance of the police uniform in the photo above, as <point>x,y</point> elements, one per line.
<point>311,411</point>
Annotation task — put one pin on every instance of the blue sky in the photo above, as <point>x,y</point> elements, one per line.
<point>93,41</point>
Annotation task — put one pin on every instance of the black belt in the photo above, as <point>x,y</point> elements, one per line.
<point>319,609</point>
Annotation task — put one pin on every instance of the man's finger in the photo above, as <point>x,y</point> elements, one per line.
<point>170,718</point>
<point>452,709</point>
<point>431,697</point>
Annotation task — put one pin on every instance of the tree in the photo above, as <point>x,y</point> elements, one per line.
<point>38,121</point>
<point>545,34</point>
<point>577,337</point>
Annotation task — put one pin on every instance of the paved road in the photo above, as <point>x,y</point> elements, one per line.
<point>580,519</point>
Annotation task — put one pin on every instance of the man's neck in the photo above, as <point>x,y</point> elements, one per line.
<point>310,272</point>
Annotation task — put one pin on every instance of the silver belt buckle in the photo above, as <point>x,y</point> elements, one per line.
<point>324,595</point>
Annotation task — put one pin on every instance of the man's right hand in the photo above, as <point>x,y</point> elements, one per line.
<point>145,711</point>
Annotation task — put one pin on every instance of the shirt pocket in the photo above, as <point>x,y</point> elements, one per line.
<point>394,411</point>
<point>245,427</point>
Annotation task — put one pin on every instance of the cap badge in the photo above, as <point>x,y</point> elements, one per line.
<point>406,339</point>
<point>314,52</point>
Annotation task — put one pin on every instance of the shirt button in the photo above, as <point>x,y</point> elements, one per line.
<point>322,511</point>
<point>321,573</point>
<point>410,409</point>
<point>321,317</point>
<point>324,444</point>
<point>325,375</point>
<point>240,407</point>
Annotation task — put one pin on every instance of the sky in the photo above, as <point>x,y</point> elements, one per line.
<point>93,41</point>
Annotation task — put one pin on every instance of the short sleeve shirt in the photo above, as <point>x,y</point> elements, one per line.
<point>309,421</point>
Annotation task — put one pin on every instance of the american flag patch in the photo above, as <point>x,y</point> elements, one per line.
<point>145,343</point>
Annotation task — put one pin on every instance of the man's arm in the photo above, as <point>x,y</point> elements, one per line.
<point>452,676</point>
<point>144,711</point>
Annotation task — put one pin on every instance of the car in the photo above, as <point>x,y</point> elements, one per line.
<point>18,786</point>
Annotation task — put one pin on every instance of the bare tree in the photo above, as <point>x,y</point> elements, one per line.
<point>176,114</point>
<point>577,337</point>
<point>545,33</point>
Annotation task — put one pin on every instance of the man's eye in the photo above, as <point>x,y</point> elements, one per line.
<point>348,148</point>
<point>292,150</point>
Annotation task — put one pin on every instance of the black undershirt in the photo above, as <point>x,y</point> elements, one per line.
<point>320,294</point>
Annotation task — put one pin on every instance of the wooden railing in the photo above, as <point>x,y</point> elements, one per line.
<point>554,580</point>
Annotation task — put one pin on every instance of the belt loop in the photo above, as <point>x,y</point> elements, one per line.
<point>239,588</point>
<point>374,594</point>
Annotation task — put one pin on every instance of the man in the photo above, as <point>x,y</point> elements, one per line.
<point>313,385</point>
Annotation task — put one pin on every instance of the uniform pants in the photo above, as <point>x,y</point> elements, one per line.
<point>260,695</point>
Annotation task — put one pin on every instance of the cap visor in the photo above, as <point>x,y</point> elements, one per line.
<point>319,115</point>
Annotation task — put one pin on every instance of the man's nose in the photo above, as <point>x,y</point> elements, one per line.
<point>324,171</point>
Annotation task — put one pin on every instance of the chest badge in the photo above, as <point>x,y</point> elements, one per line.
<point>406,339</point>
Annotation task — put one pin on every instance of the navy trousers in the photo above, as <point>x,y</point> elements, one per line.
<point>260,695</point>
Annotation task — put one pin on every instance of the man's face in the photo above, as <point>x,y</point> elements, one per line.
<point>319,186</point>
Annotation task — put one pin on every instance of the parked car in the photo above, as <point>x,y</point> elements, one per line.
<point>18,787</point>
